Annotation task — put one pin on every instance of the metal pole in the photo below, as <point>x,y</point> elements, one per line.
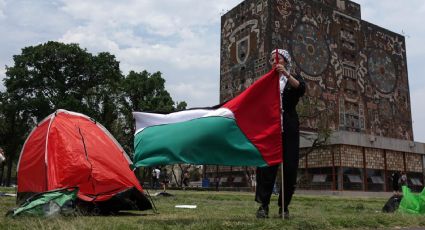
<point>283,189</point>
<point>281,126</point>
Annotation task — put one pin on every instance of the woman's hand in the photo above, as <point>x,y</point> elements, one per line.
<point>281,69</point>
<point>291,80</point>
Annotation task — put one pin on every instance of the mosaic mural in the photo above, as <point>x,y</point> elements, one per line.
<point>382,71</point>
<point>356,72</point>
<point>309,49</point>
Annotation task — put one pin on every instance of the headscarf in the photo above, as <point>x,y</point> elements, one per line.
<point>286,56</point>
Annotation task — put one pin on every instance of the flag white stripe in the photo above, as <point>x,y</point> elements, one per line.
<point>144,120</point>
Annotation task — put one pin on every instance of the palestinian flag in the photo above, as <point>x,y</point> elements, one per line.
<point>245,131</point>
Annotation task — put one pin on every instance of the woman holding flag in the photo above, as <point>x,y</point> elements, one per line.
<point>292,87</point>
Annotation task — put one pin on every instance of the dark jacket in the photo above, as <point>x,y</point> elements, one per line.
<point>290,98</point>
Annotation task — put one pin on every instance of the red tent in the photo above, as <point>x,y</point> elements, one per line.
<point>69,149</point>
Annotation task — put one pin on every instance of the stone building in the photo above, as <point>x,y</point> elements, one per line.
<point>357,86</point>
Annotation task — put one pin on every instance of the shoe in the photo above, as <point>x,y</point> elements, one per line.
<point>263,212</point>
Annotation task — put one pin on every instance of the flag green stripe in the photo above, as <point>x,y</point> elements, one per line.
<point>207,140</point>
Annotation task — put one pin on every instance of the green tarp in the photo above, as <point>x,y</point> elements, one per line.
<point>48,204</point>
<point>412,203</point>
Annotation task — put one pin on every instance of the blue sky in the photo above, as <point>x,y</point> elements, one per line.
<point>179,38</point>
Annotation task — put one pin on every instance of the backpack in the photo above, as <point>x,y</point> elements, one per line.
<point>392,203</point>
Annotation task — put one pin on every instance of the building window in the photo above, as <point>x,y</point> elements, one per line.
<point>315,178</point>
<point>375,180</point>
<point>319,178</point>
<point>415,181</point>
<point>352,179</point>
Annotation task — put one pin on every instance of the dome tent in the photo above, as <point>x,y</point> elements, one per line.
<point>68,150</point>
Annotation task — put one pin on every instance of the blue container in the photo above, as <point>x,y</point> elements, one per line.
<point>205,183</point>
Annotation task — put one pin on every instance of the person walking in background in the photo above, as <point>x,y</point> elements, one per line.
<point>253,181</point>
<point>164,179</point>
<point>155,177</point>
<point>217,182</point>
<point>403,179</point>
<point>186,179</point>
<point>292,89</point>
<point>395,176</point>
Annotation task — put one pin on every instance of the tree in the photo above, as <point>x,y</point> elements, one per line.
<point>181,106</point>
<point>146,92</point>
<point>14,125</point>
<point>2,135</point>
<point>1,165</point>
<point>182,169</point>
<point>143,91</point>
<point>309,108</point>
<point>54,76</point>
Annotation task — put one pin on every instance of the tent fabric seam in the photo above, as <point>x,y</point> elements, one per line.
<point>45,151</point>
<point>87,157</point>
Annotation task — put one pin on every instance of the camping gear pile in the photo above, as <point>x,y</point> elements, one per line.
<point>409,202</point>
<point>412,203</point>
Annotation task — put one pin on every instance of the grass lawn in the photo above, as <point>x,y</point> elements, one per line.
<point>229,210</point>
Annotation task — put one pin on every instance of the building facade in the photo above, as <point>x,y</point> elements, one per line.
<point>357,86</point>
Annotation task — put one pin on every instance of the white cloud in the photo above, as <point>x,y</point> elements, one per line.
<point>158,17</point>
<point>87,38</point>
<point>181,39</point>
<point>160,20</point>
<point>202,95</point>
<point>397,16</point>
<point>2,7</point>
<point>157,36</point>
<point>191,53</point>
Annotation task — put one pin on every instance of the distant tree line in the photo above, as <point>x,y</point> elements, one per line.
<point>55,75</point>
